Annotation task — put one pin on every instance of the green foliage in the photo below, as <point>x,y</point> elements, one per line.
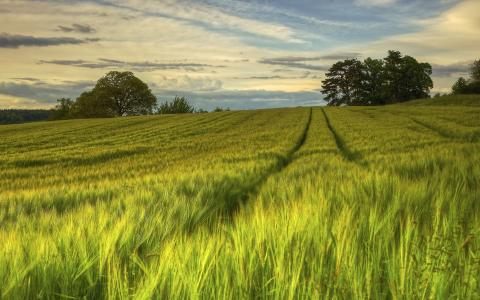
<point>460,86</point>
<point>475,70</point>
<point>334,203</point>
<point>463,86</point>
<point>90,105</point>
<point>115,94</point>
<point>63,109</point>
<point>394,79</point>
<point>179,105</point>
<point>342,85</point>
<point>372,82</point>
<point>406,79</point>
<point>470,86</point>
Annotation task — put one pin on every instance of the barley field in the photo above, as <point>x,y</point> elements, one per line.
<point>295,203</point>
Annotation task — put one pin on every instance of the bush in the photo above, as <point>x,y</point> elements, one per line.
<point>219,109</point>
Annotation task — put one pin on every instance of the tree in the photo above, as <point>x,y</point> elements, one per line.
<point>179,105</point>
<point>63,109</point>
<point>116,94</point>
<point>220,109</point>
<point>460,86</point>
<point>124,94</point>
<point>475,70</point>
<point>342,83</point>
<point>396,78</point>
<point>470,86</point>
<point>373,82</point>
<point>12,116</point>
<point>406,78</point>
<point>90,105</point>
<point>417,79</point>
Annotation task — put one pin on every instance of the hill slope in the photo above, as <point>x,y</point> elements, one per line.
<point>452,100</point>
<point>302,203</point>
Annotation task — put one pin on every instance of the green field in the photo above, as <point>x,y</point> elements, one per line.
<point>343,203</point>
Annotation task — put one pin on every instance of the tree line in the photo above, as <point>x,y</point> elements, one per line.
<point>14,116</point>
<point>396,78</point>
<point>120,94</point>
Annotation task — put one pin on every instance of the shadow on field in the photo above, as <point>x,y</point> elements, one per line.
<point>348,154</point>
<point>106,156</point>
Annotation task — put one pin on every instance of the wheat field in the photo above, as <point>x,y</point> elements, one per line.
<point>296,203</point>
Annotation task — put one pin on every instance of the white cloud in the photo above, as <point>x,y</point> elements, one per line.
<point>211,16</point>
<point>446,40</point>
<point>451,37</point>
<point>374,2</point>
<point>187,83</point>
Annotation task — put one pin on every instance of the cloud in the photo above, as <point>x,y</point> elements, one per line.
<point>243,60</point>
<point>298,62</point>
<point>43,92</point>
<point>451,36</point>
<point>460,68</point>
<point>341,56</point>
<point>17,40</point>
<point>210,16</point>
<point>145,66</point>
<point>293,62</point>
<point>79,28</point>
<point>30,79</point>
<point>187,83</point>
<point>271,77</point>
<point>374,2</point>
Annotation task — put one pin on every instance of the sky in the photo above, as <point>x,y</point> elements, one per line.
<point>239,54</point>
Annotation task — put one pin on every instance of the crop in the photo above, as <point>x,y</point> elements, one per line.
<point>374,202</point>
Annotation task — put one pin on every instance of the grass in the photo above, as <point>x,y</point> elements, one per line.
<point>343,203</point>
<point>448,100</point>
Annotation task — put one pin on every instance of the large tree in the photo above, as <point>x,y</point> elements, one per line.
<point>396,78</point>
<point>406,78</point>
<point>116,94</point>
<point>342,82</point>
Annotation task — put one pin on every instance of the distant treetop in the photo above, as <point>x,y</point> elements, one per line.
<point>470,85</point>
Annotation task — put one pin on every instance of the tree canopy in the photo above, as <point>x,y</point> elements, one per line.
<point>396,78</point>
<point>179,105</point>
<point>119,94</point>
<point>115,94</point>
<point>475,70</point>
<point>341,85</point>
<point>470,85</point>
<point>63,109</point>
<point>13,116</point>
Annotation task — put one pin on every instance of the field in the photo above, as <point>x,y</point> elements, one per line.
<point>343,203</point>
